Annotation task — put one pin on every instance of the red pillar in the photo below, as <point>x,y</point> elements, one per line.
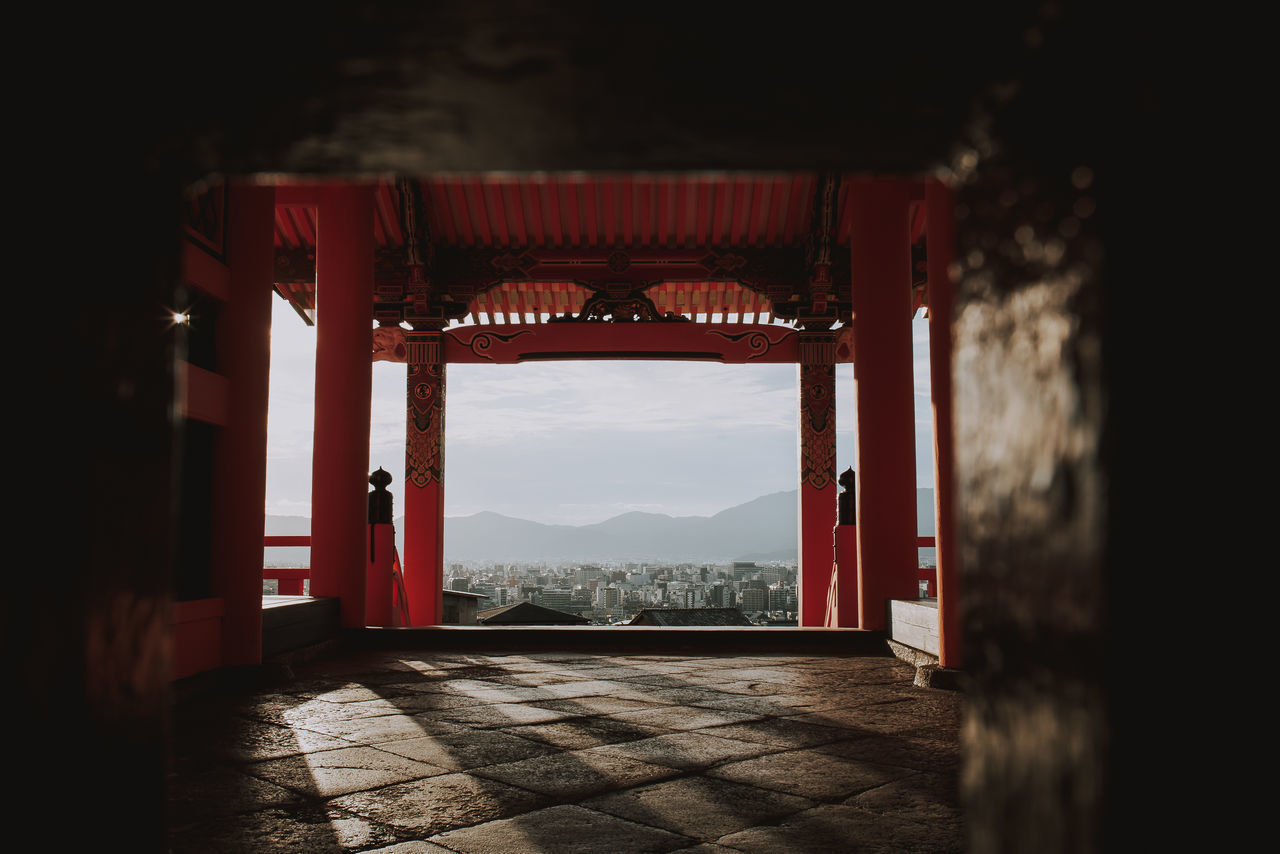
<point>884,386</point>
<point>344,343</point>
<point>940,229</point>
<point>239,490</point>
<point>817,501</point>
<point>423,558</point>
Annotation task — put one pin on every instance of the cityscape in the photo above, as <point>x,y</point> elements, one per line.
<point>615,593</point>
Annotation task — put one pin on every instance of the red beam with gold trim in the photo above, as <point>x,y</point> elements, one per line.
<point>729,343</point>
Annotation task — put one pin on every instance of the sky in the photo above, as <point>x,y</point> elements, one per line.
<point>575,443</point>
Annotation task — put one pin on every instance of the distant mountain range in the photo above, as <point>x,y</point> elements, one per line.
<point>761,530</point>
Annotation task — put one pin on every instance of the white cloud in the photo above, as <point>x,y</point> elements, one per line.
<point>489,404</point>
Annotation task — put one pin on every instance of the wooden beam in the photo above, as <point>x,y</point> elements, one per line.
<point>729,343</point>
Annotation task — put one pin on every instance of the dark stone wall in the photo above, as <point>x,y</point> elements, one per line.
<point>1010,99</point>
<point>487,85</point>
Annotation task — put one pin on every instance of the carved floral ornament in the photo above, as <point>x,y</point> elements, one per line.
<point>389,344</point>
<point>619,302</point>
<point>817,425</point>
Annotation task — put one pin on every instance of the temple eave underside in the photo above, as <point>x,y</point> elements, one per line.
<point>501,249</point>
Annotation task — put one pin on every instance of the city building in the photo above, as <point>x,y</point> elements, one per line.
<point>608,597</point>
<point>460,607</point>
<point>754,599</point>
<point>557,598</point>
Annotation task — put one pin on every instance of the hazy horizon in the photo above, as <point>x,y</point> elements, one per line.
<point>399,511</point>
<point>576,443</point>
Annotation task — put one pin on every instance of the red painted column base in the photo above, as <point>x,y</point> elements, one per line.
<point>378,581</point>
<point>845,586</point>
<point>424,553</point>
<point>817,506</point>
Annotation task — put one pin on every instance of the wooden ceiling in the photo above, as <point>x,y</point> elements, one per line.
<point>522,248</point>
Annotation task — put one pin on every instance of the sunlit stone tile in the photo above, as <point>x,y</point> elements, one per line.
<point>339,772</point>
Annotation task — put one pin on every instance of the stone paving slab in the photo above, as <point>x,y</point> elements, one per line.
<point>418,846</point>
<point>411,702</point>
<point>685,717</point>
<point>923,797</point>
<point>219,792</point>
<point>832,828</point>
<point>564,829</point>
<point>442,803</point>
<point>200,740</point>
<point>375,730</point>
<point>868,719</point>
<point>922,754</point>
<point>340,772</point>
<point>778,733</point>
<point>575,774</point>
<point>767,706</point>
<point>658,679</point>
<point>471,749</point>
<point>700,808</point>
<point>308,828</point>
<point>578,733</point>
<point>810,773</point>
<point>685,749</point>
<point>598,705</point>
<point>419,752</point>
<point>499,715</point>
<point>683,696</point>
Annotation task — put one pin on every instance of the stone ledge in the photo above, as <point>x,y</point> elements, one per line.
<point>929,673</point>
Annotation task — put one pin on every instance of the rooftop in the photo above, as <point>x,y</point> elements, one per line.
<point>690,617</point>
<point>396,751</point>
<point>527,613</point>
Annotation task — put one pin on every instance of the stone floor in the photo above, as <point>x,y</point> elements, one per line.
<point>546,752</point>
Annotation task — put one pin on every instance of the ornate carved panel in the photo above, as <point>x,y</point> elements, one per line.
<point>424,446</point>
<point>817,410</point>
<point>389,344</point>
<point>728,343</point>
<point>484,343</point>
<point>758,269</point>
<point>619,302</point>
<point>753,344</point>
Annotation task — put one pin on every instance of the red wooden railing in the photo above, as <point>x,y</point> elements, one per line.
<point>291,578</point>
